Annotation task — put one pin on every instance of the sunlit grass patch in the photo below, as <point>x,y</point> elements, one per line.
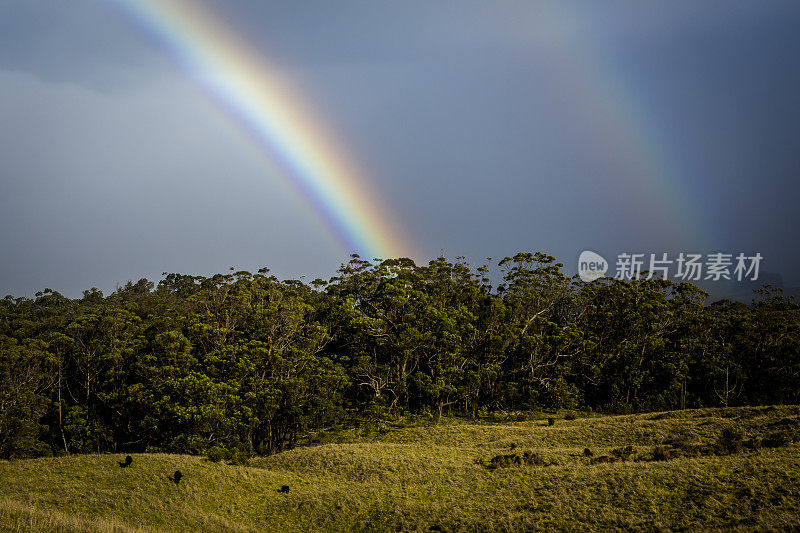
<point>440,476</point>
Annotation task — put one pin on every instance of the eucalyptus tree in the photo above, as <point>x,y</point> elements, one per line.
<point>633,327</point>
<point>540,337</point>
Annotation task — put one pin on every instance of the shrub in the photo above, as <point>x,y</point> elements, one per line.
<point>499,461</point>
<point>776,439</point>
<point>623,453</point>
<point>755,443</point>
<point>235,457</point>
<point>660,453</point>
<point>682,440</point>
<point>217,454</point>
<point>730,441</point>
<point>532,459</point>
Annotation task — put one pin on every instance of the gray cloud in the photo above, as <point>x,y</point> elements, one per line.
<point>114,166</point>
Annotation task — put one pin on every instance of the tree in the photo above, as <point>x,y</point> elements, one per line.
<point>25,374</point>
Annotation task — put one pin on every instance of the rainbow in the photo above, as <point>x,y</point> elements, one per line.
<point>615,118</point>
<point>261,104</point>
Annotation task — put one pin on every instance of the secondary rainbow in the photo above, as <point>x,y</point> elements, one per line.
<point>262,104</point>
<point>651,172</point>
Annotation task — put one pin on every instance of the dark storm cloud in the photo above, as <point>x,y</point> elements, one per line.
<point>114,166</point>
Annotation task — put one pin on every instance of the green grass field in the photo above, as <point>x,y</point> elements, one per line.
<point>440,478</point>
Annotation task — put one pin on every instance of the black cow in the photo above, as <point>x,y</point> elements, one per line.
<point>176,477</point>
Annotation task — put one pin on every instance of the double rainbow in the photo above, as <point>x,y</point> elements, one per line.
<point>260,103</point>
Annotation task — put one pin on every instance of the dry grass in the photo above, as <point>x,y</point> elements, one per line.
<point>15,516</point>
<point>418,478</point>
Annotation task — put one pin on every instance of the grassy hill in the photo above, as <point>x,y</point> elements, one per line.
<point>735,468</point>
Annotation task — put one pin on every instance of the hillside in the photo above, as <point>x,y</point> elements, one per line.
<point>443,478</point>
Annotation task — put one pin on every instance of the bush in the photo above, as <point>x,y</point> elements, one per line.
<point>755,443</point>
<point>731,440</point>
<point>570,416</point>
<point>217,454</point>
<point>776,439</point>
<point>661,453</point>
<point>499,461</point>
<point>623,453</point>
<point>235,457</point>
<point>532,459</point>
<point>232,456</point>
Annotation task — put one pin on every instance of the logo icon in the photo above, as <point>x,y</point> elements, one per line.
<point>591,266</point>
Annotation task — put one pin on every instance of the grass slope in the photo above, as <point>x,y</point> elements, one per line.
<point>431,478</point>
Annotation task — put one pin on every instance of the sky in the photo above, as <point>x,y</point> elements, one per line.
<point>130,148</point>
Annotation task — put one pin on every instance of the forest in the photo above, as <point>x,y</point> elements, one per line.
<point>243,363</point>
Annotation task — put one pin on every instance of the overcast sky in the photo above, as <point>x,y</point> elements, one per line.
<point>488,127</point>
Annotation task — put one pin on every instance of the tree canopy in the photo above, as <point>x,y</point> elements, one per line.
<point>248,363</point>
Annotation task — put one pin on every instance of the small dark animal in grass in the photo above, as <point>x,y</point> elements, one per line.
<point>126,463</point>
<point>601,459</point>
<point>587,452</point>
<point>284,488</point>
<point>176,477</point>
<point>551,421</point>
